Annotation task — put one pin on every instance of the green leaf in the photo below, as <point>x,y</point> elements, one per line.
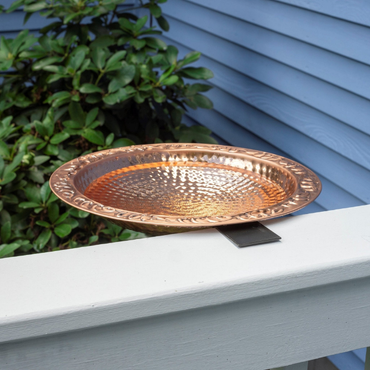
<point>55,69</point>
<point>36,176</point>
<point>113,86</point>
<point>20,39</point>
<point>159,96</point>
<point>35,7</point>
<point>78,213</point>
<point>200,130</point>
<point>162,22</point>
<point>114,67</point>
<point>55,77</point>
<point>190,103</point>
<point>191,57</point>
<point>195,88</point>
<point>45,42</point>
<point>2,165</point>
<point>51,150</point>
<point>11,198</point>
<point>90,89</point>
<point>53,212</point>
<point>102,42</point>
<point>198,134</point>
<point>202,101</point>
<point>85,65</point>
<point>139,98</point>
<point>71,221</point>
<point>43,224</point>
<point>126,24</point>
<point>117,97</point>
<point>170,80</point>
<point>155,10</point>
<point>155,43</point>
<point>42,145</point>
<point>93,239</point>
<point>28,205</point>
<point>41,129</point>
<point>145,87</point>
<point>76,85</point>
<point>8,249</point>
<point>58,95</point>
<point>33,193</point>
<point>6,232</point>
<point>63,230</point>
<point>93,124</point>
<point>42,239</point>
<point>137,44</point>
<point>15,5</point>
<point>115,58</point>
<point>7,178</point>
<point>69,17</point>
<point>45,191</point>
<point>140,23</point>
<point>95,137</point>
<point>49,27</point>
<point>59,102</point>
<point>16,161</point>
<point>90,117</point>
<point>4,150</point>
<point>40,159</point>
<point>99,57</point>
<point>93,98</point>
<point>52,198</point>
<point>109,139</point>
<point>125,75</point>
<point>122,142</point>
<point>196,73</point>
<point>58,138</point>
<point>73,124</point>
<point>76,112</point>
<point>46,62</point>
<point>171,54</point>
<point>62,218</point>
<point>166,73</point>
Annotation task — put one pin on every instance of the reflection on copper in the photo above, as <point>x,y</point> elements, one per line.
<point>185,189</point>
<point>164,188</point>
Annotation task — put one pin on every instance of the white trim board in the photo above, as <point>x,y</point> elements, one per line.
<point>285,296</point>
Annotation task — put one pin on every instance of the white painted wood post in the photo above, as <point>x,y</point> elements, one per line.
<point>192,301</point>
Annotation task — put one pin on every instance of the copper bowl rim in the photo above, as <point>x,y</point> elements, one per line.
<point>308,186</point>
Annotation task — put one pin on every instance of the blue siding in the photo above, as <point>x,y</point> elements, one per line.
<point>353,360</point>
<point>357,11</point>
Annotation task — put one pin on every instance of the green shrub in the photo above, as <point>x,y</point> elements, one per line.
<point>98,77</point>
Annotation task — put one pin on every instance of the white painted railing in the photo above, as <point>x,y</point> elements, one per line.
<point>192,301</point>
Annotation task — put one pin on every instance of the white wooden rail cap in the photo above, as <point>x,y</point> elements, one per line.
<point>59,292</point>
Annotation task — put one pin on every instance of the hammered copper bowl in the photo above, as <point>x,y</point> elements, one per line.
<point>169,188</point>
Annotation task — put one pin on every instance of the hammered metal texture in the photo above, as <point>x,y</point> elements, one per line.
<point>185,189</point>
<point>165,188</point>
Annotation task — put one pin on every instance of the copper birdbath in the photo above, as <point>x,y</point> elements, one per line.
<point>169,188</point>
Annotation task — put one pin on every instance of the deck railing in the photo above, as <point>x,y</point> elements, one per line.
<point>192,301</point>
